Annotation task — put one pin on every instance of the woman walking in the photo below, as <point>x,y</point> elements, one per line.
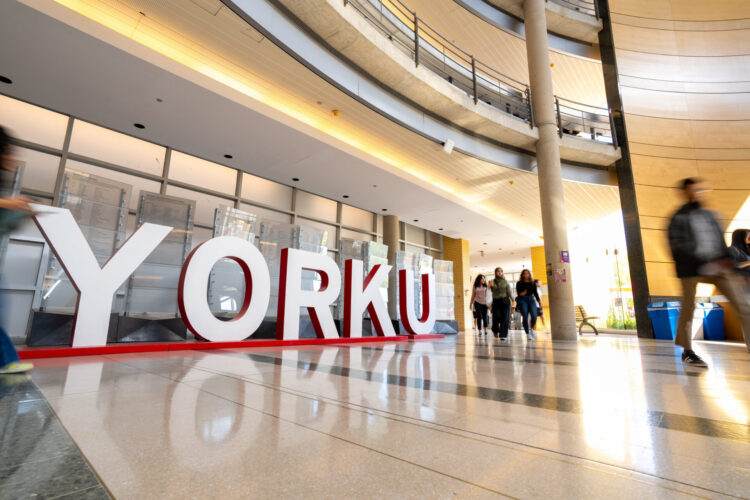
<point>479,303</point>
<point>527,299</point>
<point>740,251</point>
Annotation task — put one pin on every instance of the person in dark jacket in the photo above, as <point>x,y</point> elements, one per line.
<point>701,256</point>
<point>501,299</point>
<point>12,211</point>
<point>740,250</point>
<point>528,302</point>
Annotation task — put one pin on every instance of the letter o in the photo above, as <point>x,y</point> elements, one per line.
<point>196,272</point>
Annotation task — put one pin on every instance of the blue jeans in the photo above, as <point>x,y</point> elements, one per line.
<point>527,307</point>
<point>8,352</point>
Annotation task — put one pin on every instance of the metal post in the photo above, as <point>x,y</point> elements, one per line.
<point>531,107</point>
<point>416,40</point>
<point>612,128</point>
<point>559,119</point>
<point>474,77</point>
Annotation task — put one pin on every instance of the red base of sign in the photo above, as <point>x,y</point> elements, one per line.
<point>65,351</point>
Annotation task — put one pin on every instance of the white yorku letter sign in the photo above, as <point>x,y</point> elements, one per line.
<point>96,286</point>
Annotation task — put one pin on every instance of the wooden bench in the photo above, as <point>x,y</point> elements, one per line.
<point>583,319</point>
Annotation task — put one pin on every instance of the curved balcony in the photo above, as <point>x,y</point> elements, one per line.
<point>577,19</point>
<point>429,70</point>
<point>583,6</point>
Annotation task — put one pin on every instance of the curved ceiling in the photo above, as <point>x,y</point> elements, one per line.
<point>684,71</point>
<point>573,77</point>
<point>206,46</point>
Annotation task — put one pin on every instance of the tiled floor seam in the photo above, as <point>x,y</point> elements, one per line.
<point>491,440</point>
<point>523,398</point>
<point>80,452</point>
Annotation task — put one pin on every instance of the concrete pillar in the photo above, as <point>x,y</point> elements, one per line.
<point>457,251</point>
<point>391,237</point>
<point>554,226</point>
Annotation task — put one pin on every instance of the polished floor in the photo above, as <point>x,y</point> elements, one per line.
<point>467,417</point>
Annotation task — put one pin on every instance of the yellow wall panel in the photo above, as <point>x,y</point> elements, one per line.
<point>657,201</point>
<point>538,264</point>
<point>726,174</point>
<point>697,10</point>
<point>666,172</point>
<point>662,279</point>
<point>457,251</point>
<point>656,245</point>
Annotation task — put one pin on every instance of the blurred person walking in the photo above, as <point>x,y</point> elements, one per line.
<point>701,256</point>
<point>12,212</point>
<point>501,299</point>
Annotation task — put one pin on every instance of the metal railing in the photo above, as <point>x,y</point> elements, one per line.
<point>586,6</point>
<point>581,120</point>
<point>480,81</point>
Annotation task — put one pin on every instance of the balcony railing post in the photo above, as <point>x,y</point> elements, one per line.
<point>531,107</point>
<point>612,128</point>
<point>474,78</point>
<point>416,40</point>
<point>559,119</point>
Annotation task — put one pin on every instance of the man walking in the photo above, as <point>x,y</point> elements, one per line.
<point>501,299</point>
<point>701,256</point>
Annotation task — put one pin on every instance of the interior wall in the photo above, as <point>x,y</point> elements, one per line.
<point>684,71</point>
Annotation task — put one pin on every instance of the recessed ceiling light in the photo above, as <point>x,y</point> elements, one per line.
<point>346,196</point>
<point>484,243</point>
<point>229,157</point>
<point>440,229</point>
<point>374,185</point>
<point>159,99</point>
<point>139,125</point>
<point>416,220</point>
<point>295,179</point>
<point>5,79</point>
<point>384,209</point>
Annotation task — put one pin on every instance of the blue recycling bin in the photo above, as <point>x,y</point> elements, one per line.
<point>713,321</point>
<point>664,319</point>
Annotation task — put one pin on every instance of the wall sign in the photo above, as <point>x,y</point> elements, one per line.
<point>96,286</point>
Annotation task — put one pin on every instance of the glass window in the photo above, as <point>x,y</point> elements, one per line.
<point>436,254</point>
<point>265,214</point>
<point>331,241</point>
<point>356,218</point>
<point>138,183</point>
<point>113,147</point>
<point>414,234</point>
<point>199,236</point>
<point>310,205</point>
<point>334,256</point>
<point>39,170</point>
<point>205,204</point>
<point>266,192</point>
<point>356,235</point>
<point>208,175</point>
<point>32,123</point>
<point>413,249</point>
